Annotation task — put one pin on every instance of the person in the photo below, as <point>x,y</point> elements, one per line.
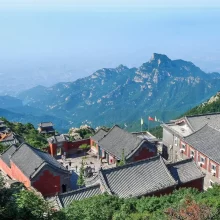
<point>70,163</point>
<point>76,168</point>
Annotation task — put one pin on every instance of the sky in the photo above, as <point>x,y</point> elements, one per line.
<point>83,36</point>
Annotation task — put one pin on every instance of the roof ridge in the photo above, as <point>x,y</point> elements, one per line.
<point>196,131</point>
<point>33,149</point>
<point>167,171</point>
<point>131,163</point>
<point>135,149</point>
<point>109,131</point>
<point>36,149</point>
<point>8,149</point>
<point>188,123</point>
<point>212,127</point>
<point>100,130</point>
<point>199,115</point>
<point>137,140</point>
<point>17,149</point>
<point>179,162</point>
<point>104,182</point>
<point>80,189</point>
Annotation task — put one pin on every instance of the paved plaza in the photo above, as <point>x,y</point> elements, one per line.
<point>73,163</point>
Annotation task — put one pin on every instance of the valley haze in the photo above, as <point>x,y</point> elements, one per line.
<point>43,43</point>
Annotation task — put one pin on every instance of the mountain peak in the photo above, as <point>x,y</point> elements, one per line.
<point>121,67</point>
<point>159,57</point>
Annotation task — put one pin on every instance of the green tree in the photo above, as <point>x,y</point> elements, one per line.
<point>123,160</point>
<point>84,147</point>
<point>2,148</point>
<point>28,133</point>
<point>100,207</point>
<point>81,179</point>
<point>32,206</point>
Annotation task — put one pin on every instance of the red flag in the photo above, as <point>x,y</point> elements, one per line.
<point>150,119</point>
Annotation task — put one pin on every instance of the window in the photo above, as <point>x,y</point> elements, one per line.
<point>211,183</point>
<point>192,153</point>
<point>213,167</point>
<point>175,141</point>
<point>183,148</point>
<point>202,160</point>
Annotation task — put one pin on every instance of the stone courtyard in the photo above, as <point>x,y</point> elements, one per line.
<point>73,163</point>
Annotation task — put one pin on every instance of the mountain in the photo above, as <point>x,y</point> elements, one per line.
<point>160,87</point>
<point>14,110</point>
<point>59,124</point>
<point>17,80</point>
<point>210,106</point>
<point>9,102</point>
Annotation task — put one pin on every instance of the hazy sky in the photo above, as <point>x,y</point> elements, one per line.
<point>82,36</point>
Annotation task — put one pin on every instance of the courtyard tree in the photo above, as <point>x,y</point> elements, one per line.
<point>81,179</point>
<point>122,161</point>
<point>84,147</point>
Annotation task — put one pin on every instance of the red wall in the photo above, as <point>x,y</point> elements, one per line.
<point>94,148</point>
<point>68,146</point>
<point>210,167</point>
<point>204,166</point>
<point>18,175</point>
<point>53,149</point>
<point>186,148</point>
<point>4,167</point>
<point>143,153</point>
<point>198,184</point>
<point>163,192</point>
<point>76,144</point>
<point>47,183</point>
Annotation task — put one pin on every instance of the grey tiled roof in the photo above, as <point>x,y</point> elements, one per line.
<point>7,154</point>
<point>198,121</point>
<point>11,137</point>
<point>54,202</point>
<point>99,135</point>
<point>66,198</point>
<point>138,178</point>
<point>185,171</point>
<point>46,124</point>
<point>29,159</point>
<point>117,140</point>
<point>58,138</point>
<point>206,140</point>
<point>4,128</point>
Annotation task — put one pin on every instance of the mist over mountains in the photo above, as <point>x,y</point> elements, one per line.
<point>160,87</point>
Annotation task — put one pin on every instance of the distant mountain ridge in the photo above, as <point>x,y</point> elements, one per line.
<point>13,109</point>
<point>160,87</point>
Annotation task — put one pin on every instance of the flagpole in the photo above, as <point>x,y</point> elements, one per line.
<point>148,123</point>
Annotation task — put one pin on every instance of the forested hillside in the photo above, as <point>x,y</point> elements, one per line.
<point>28,133</point>
<point>210,106</point>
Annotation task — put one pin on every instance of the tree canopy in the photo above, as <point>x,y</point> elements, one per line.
<point>186,203</point>
<point>28,133</point>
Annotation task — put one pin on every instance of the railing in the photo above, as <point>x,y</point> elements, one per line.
<point>92,181</point>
